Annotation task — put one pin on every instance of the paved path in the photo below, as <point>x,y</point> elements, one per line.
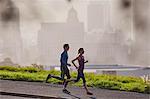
<point>34,90</point>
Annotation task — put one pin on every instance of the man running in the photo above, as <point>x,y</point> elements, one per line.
<point>64,69</point>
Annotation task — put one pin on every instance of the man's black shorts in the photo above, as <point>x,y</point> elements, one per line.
<point>65,71</point>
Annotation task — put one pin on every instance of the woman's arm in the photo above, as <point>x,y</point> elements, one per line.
<point>86,61</point>
<point>74,63</point>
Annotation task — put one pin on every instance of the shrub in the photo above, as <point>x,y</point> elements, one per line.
<point>93,80</point>
<point>29,69</point>
<point>9,68</point>
<point>136,87</point>
<point>147,88</point>
<point>21,69</point>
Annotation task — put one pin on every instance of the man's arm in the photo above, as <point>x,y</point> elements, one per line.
<point>68,64</point>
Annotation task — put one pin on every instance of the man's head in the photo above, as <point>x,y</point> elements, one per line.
<point>66,47</point>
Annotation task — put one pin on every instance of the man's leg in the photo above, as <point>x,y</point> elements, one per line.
<point>49,76</point>
<point>52,76</point>
<point>57,77</point>
<point>67,80</point>
<point>68,77</point>
<point>62,75</point>
<point>67,73</point>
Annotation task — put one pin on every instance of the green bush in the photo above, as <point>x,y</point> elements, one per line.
<point>22,69</point>
<point>29,69</point>
<point>147,88</point>
<point>107,84</point>
<point>136,87</point>
<point>123,83</point>
<point>9,68</point>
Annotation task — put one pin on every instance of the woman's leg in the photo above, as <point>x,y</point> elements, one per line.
<point>85,86</point>
<point>70,80</point>
<point>66,83</point>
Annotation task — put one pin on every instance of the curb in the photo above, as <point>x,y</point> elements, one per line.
<point>28,95</point>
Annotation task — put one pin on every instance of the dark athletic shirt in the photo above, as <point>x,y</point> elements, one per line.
<point>64,58</point>
<point>81,62</point>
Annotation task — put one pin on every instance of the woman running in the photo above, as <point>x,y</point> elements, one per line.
<point>80,69</point>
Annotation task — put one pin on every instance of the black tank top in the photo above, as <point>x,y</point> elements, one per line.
<point>81,62</point>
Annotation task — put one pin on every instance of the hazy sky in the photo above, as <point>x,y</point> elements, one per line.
<point>130,18</point>
<point>34,12</point>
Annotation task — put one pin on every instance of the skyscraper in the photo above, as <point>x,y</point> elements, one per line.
<point>98,15</point>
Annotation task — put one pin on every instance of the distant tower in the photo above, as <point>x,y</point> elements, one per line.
<point>52,36</point>
<point>74,28</point>
<point>98,15</point>
<point>72,16</point>
<point>10,32</point>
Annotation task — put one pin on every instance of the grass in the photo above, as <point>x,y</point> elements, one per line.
<point>23,69</point>
<point>112,82</point>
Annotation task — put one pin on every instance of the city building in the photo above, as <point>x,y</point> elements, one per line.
<point>52,36</point>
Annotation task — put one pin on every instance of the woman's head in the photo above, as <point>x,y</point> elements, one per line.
<point>81,51</point>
